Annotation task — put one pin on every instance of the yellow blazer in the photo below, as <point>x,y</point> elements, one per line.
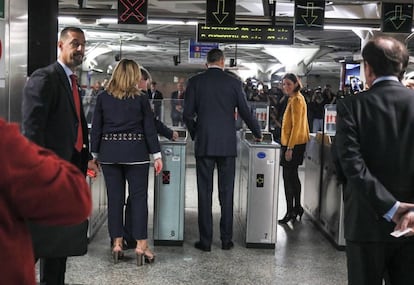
<point>295,127</point>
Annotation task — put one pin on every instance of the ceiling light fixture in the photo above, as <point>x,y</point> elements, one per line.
<point>68,20</point>
<point>172,22</point>
<point>151,22</point>
<point>349,28</point>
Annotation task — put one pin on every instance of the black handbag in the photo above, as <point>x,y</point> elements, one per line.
<point>59,241</point>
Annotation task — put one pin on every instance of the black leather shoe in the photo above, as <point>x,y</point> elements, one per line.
<point>200,246</point>
<point>227,245</point>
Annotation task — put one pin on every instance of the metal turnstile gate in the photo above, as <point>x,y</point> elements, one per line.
<point>169,193</point>
<point>259,188</point>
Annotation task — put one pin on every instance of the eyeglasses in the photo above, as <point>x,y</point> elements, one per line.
<point>76,44</point>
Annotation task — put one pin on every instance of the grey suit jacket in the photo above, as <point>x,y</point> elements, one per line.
<point>375,147</point>
<point>209,106</point>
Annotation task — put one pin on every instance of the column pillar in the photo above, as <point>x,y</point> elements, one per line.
<point>43,33</point>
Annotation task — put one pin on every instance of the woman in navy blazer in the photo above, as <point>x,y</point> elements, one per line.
<point>122,137</point>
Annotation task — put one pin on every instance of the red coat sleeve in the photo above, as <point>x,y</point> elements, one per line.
<point>37,184</point>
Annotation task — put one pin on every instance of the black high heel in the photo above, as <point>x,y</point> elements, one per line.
<point>299,213</point>
<point>288,217</point>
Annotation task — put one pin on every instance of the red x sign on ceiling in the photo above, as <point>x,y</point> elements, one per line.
<point>132,11</point>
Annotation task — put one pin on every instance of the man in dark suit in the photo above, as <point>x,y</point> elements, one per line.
<point>156,99</point>
<point>374,143</point>
<point>51,119</point>
<point>209,106</point>
<point>177,105</point>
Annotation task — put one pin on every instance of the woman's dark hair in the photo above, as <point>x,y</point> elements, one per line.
<point>292,77</point>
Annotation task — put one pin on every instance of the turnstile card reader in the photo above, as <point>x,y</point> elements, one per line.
<point>169,193</point>
<point>258,198</point>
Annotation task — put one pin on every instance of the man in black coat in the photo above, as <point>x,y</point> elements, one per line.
<point>156,99</point>
<point>374,143</point>
<point>51,120</point>
<point>209,107</point>
<point>177,105</point>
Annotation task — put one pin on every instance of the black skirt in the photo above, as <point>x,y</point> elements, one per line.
<point>297,156</point>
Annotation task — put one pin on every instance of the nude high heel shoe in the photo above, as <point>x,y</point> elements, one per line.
<point>117,251</point>
<point>144,255</point>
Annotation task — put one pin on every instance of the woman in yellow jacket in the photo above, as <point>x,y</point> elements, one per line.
<point>295,135</point>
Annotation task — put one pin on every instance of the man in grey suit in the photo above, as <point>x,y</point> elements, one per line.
<point>51,119</point>
<point>374,143</point>
<point>209,106</point>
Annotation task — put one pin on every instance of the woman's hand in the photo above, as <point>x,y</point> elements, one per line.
<point>158,166</point>
<point>93,167</point>
<point>288,154</point>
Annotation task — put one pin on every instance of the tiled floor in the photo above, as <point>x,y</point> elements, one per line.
<point>302,256</point>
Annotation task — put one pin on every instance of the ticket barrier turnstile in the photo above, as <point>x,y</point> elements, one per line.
<point>169,192</point>
<point>259,187</point>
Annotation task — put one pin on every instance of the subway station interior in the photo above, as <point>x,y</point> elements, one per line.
<point>307,252</point>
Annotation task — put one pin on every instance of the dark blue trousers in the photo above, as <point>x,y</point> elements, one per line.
<point>205,166</point>
<point>116,176</point>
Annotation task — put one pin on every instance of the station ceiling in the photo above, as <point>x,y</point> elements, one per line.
<point>154,45</point>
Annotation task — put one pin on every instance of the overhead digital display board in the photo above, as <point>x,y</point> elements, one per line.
<point>246,34</point>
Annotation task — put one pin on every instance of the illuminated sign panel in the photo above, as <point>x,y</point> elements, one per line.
<point>397,17</point>
<point>221,12</point>
<point>309,14</point>
<point>249,34</point>
<point>132,12</point>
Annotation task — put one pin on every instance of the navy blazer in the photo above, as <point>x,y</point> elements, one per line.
<point>119,116</point>
<point>175,101</point>
<point>157,95</point>
<point>374,142</point>
<point>209,112</point>
<point>49,115</point>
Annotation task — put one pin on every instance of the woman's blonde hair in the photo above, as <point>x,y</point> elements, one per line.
<point>124,80</point>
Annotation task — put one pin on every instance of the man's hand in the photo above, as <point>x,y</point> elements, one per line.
<point>175,135</point>
<point>406,221</point>
<point>259,139</point>
<point>402,210</point>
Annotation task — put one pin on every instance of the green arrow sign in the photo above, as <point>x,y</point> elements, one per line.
<point>397,17</point>
<point>221,12</point>
<point>309,15</point>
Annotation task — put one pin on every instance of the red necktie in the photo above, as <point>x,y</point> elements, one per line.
<point>76,99</point>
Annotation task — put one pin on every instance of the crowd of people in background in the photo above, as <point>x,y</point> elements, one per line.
<point>316,99</point>
<point>256,92</point>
